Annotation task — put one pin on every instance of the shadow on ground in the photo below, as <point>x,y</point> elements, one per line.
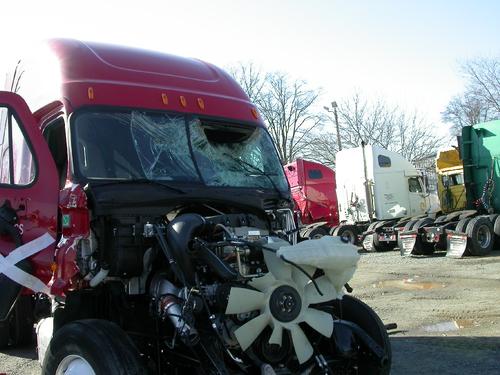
<point>26,352</point>
<point>445,355</point>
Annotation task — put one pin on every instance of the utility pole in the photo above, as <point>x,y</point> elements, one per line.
<point>334,107</point>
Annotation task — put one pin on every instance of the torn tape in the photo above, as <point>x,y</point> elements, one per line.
<point>8,263</point>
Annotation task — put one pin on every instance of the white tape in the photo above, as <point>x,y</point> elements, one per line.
<point>8,268</point>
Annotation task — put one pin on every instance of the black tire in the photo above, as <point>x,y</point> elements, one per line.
<point>102,344</point>
<point>17,329</point>
<point>462,225</point>
<point>358,312</point>
<point>480,235</point>
<point>423,248</point>
<point>22,325</point>
<point>371,226</point>
<point>4,335</point>
<point>349,232</point>
<point>317,233</point>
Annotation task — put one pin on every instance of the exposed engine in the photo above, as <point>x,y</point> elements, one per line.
<point>229,288</point>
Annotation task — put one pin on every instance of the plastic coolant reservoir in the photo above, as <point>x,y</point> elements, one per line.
<point>336,258</point>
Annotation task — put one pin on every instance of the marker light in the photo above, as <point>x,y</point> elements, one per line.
<point>164,98</point>
<point>201,103</point>
<point>90,93</point>
<point>255,113</point>
<point>183,101</point>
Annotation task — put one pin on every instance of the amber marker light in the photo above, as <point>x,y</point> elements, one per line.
<point>255,114</point>
<point>201,103</point>
<point>164,98</point>
<point>53,267</point>
<point>90,93</point>
<point>183,101</point>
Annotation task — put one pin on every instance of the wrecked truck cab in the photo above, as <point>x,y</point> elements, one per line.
<point>156,220</point>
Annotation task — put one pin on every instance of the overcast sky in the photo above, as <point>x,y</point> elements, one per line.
<point>408,52</point>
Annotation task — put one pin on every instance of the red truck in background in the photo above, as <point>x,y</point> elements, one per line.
<point>314,193</point>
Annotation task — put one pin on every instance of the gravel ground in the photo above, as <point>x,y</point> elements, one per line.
<point>447,312</point>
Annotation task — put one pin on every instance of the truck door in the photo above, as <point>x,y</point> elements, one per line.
<point>28,195</point>
<point>418,204</point>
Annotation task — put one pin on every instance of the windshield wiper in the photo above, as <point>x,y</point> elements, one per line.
<point>143,181</point>
<point>257,172</point>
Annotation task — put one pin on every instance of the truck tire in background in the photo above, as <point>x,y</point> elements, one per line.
<point>381,246</point>
<point>349,232</point>
<point>441,218</point>
<point>409,225</point>
<point>462,225</point>
<point>480,235</point>
<point>423,248</point>
<point>90,345</point>
<point>317,233</point>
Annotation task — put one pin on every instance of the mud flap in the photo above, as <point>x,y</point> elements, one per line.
<point>456,244</point>
<point>406,242</point>
<point>368,242</point>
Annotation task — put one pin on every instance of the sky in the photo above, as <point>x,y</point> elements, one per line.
<point>406,52</point>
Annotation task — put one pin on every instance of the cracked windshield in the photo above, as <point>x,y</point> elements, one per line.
<point>137,145</point>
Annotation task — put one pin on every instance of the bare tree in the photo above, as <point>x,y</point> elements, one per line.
<point>377,123</point>
<point>480,100</point>
<point>286,105</point>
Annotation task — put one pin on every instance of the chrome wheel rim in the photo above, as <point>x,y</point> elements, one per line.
<point>74,365</point>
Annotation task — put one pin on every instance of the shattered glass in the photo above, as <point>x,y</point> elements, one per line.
<point>175,147</point>
<point>235,156</point>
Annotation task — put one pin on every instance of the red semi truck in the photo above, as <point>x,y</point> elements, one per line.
<point>146,223</point>
<point>313,191</point>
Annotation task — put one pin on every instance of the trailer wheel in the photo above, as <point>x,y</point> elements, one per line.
<point>480,233</point>
<point>377,245</point>
<point>348,232</point>
<point>92,347</point>
<point>423,248</point>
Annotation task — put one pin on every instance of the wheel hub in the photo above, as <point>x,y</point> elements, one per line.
<point>285,303</point>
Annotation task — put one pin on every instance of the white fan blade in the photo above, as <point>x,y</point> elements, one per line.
<point>249,331</point>
<point>325,286</point>
<point>320,321</point>
<point>277,335</point>
<point>298,276</point>
<point>263,282</point>
<point>301,344</point>
<point>279,269</point>
<point>243,300</point>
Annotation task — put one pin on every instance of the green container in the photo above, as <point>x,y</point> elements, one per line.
<point>480,152</point>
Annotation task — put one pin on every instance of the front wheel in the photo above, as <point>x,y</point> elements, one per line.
<point>353,310</point>
<point>92,347</point>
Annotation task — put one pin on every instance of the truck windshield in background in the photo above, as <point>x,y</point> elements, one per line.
<point>162,146</point>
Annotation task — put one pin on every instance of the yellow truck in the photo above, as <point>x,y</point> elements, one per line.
<point>451,188</point>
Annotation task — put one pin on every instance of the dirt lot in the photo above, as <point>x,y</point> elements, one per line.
<point>447,311</point>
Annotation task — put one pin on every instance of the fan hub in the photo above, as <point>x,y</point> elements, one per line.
<point>285,303</point>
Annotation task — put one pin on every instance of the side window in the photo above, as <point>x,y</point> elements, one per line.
<point>384,161</point>
<point>314,174</point>
<point>17,166</point>
<point>414,185</point>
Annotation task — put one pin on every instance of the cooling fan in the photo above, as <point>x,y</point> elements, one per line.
<point>284,294</point>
